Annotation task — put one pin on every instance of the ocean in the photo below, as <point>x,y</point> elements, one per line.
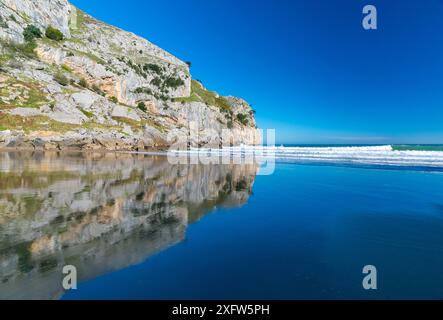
<point>138,227</point>
<point>413,157</point>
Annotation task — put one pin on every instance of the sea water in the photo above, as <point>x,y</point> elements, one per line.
<point>137,227</point>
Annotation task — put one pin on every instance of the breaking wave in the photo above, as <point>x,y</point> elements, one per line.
<point>371,155</point>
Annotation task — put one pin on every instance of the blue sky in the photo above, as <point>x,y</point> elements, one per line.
<point>308,68</point>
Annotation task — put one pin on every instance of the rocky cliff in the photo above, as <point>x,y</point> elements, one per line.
<point>68,80</point>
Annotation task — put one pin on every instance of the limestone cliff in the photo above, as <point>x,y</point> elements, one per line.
<point>68,80</point>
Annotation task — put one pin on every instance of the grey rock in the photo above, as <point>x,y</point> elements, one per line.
<point>64,112</point>
<point>25,112</point>
<point>120,111</point>
<point>84,99</point>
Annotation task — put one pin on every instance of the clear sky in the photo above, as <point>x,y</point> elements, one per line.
<point>308,67</point>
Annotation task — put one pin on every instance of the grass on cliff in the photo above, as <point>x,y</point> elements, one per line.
<point>5,58</point>
<point>88,114</point>
<point>30,95</point>
<point>43,123</point>
<point>30,124</point>
<point>200,94</point>
<point>13,49</point>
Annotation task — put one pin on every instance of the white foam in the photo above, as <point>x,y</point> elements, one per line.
<point>370,155</point>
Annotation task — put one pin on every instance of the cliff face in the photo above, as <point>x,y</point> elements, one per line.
<point>101,87</point>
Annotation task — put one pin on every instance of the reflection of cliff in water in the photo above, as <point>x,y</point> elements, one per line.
<point>99,212</point>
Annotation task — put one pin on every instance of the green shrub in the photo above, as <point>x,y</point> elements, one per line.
<point>152,67</point>
<point>83,83</point>
<point>172,82</point>
<point>156,82</point>
<point>28,48</point>
<point>142,106</point>
<point>61,79</point>
<point>144,90</point>
<point>113,99</point>
<point>230,124</point>
<point>54,34</point>
<point>242,118</point>
<point>87,113</point>
<point>3,24</point>
<point>31,32</point>
<point>66,68</point>
<point>97,90</point>
<point>13,18</point>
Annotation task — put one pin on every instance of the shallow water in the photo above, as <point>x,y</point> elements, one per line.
<point>137,227</point>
